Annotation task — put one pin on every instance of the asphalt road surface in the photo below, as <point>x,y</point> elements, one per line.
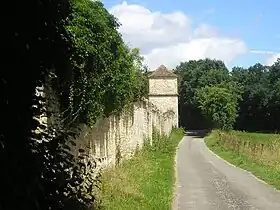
<point>205,182</point>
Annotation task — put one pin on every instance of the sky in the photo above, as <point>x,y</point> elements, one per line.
<point>239,32</point>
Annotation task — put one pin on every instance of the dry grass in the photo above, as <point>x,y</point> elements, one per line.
<point>259,153</point>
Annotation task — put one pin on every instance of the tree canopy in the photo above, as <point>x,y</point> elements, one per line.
<point>195,75</point>
<point>243,98</point>
<point>219,104</point>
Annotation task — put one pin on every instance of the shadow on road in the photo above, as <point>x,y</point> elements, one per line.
<point>197,133</point>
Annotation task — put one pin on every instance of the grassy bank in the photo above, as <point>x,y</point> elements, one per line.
<point>146,180</point>
<point>255,152</point>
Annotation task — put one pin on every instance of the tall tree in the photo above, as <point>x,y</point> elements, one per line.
<point>195,75</point>
<point>254,81</point>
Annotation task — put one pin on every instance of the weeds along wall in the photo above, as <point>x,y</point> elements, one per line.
<point>118,137</point>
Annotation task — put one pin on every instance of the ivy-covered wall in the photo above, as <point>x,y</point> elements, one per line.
<point>117,137</point>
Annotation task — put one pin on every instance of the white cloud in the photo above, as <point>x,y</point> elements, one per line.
<point>168,38</point>
<point>205,31</point>
<point>263,52</point>
<point>272,59</point>
<point>271,56</point>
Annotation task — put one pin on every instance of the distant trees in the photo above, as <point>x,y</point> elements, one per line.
<point>209,93</point>
<point>259,109</point>
<point>193,76</point>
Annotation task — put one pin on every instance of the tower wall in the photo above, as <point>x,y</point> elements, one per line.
<point>163,93</point>
<point>160,86</point>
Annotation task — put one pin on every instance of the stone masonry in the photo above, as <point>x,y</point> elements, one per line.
<point>117,137</point>
<point>163,91</point>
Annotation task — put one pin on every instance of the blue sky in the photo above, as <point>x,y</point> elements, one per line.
<point>256,23</point>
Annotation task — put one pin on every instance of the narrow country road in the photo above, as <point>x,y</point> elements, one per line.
<point>205,182</point>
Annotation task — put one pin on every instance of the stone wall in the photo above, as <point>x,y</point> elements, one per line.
<point>163,93</point>
<point>118,137</point>
<point>166,103</point>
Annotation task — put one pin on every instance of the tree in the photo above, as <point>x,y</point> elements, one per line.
<point>253,111</point>
<point>218,104</point>
<point>195,75</point>
<point>256,88</point>
<point>141,76</point>
<point>274,96</point>
<point>103,77</point>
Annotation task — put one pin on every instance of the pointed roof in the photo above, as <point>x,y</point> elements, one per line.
<point>162,71</point>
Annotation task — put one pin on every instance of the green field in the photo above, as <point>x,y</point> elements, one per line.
<point>145,181</point>
<point>255,152</point>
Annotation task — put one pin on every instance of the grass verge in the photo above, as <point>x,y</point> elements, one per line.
<point>257,153</point>
<point>144,181</point>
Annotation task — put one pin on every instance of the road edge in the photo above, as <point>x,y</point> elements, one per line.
<point>232,165</point>
<point>174,205</point>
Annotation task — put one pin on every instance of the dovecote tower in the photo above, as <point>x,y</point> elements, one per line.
<point>163,91</point>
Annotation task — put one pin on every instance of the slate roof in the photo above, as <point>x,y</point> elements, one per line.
<point>162,71</point>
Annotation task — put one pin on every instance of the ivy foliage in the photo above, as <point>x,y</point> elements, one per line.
<point>106,74</point>
<point>73,50</point>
